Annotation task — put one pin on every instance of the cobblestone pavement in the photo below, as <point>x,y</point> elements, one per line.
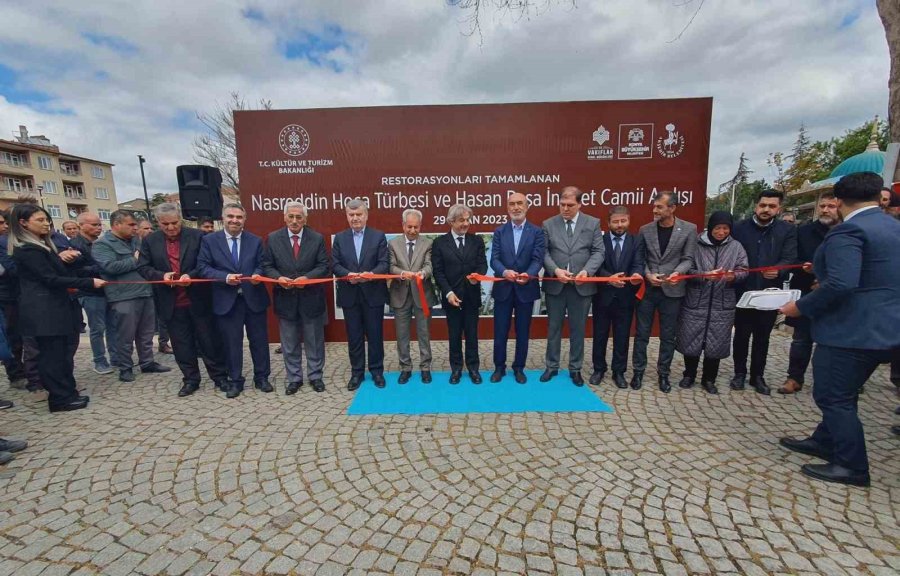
<point>144,482</point>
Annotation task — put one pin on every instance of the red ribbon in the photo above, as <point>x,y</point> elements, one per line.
<point>585,279</point>
<point>679,277</point>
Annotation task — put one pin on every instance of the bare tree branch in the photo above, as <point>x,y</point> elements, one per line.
<point>691,21</point>
<point>217,147</point>
<point>520,9</point>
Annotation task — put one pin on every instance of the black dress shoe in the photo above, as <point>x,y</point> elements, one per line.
<point>664,384</point>
<point>687,382</point>
<point>596,378</point>
<point>318,385</point>
<point>836,473</point>
<point>379,380</point>
<point>895,430</point>
<point>807,446</point>
<point>232,391</point>
<point>354,383</point>
<point>426,376</point>
<point>576,378</point>
<point>637,380</point>
<point>404,377</point>
<point>759,384</point>
<point>263,386</point>
<point>84,398</point>
<point>220,384</point>
<point>709,386</point>
<point>738,382</point>
<point>455,376</point>
<point>475,376</point>
<point>897,411</point>
<point>126,375</point>
<point>4,404</point>
<point>292,388</point>
<point>519,375</point>
<point>498,375</point>
<point>548,375</point>
<point>619,379</point>
<point>70,406</point>
<point>155,368</point>
<point>188,389</point>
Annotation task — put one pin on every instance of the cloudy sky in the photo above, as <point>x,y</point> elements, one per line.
<point>111,80</point>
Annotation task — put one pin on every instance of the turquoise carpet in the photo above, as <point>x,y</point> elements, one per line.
<point>506,396</point>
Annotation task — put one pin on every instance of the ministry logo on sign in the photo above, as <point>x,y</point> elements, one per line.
<point>600,152</point>
<point>294,140</point>
<point>633,141</point>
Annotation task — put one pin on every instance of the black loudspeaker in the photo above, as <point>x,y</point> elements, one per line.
<point>200,191</point>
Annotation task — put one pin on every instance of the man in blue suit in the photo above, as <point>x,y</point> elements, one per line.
<point>227,255</point>
<point>613,303</point>
<point>517,250</point>
<point>855,312</point>
<point>357,250</point>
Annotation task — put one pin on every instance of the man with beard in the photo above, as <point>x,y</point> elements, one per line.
<point>768,241</point>
<point>809,237</point>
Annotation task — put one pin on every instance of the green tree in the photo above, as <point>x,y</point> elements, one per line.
<point>853,142</point>
<point>157,199</point>
<point>744,199</point>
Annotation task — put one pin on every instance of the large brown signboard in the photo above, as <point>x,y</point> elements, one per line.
<point>431,157</point>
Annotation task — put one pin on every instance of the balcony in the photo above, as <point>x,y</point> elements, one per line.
<point>14,159</point>
<point>75,192</point>
<point>70,168</point>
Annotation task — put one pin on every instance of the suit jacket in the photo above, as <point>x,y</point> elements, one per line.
<point>421,262</point>
<point>452,265</point>
<point>679,256</point>
<point>45,308</point>
<point>154,264</point>
<point>528,259</point>
<point>583,252</point>
<point>630,262</point>
<point>373,258</point>
<point>215,262</point>
<point>312,262</point>
<point>857,303</point>
<point>773,245</point>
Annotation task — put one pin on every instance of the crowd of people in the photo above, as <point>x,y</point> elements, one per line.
<point>693,282</point>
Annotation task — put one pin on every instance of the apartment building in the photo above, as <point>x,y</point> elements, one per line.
<point>65,184</point>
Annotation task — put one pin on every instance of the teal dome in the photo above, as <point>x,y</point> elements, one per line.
<point>868,161</point>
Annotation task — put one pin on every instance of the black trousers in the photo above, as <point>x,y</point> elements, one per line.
<point>503,319</point>
<point>463,321</point>
<point>56,367</point>
<point>801,350</point>
<point>618,315</point>
<point>15,369</point>
<point>757,324</point>
<point>839,373</point>
<point>365,329</point>
<point>194,335</point>
<point>232,327</point>
<point>655,299</point>
<point>710,368</point>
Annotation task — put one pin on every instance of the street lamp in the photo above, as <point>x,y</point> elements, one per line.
<point>144,180</point>
<point>40,190</point>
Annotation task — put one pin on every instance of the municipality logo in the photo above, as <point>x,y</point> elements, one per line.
<point>635,141</point>
<point>600,152</point>
<point>294,140</point>
<point>673,143</point>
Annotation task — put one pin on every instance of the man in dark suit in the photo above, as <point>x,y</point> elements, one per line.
<point>855,312</point>
<point>809,237</point>
<point>574,250</point>
<point>768,241</point>
<point>171,254</point>
<point>517,254</point>
<point>454,256</point>
<point>228,255</point>
<point>613,303</point>
<point>355,251</point>
<point>411,257</point>
<point>669,245</point>
<point>298,252</point>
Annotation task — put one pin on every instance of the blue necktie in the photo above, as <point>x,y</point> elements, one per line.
<point>234,251</point>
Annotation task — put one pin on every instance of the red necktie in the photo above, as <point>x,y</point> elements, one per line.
<point>296,240</point>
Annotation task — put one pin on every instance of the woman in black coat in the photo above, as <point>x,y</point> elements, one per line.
<point>46,312</point>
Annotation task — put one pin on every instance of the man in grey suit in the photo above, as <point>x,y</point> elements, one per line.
<point>410,257</point>
<point>574,250</point>
<point>291,253</point>
<point>669,247</point>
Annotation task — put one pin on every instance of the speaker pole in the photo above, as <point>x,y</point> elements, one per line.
<point>144,180</point>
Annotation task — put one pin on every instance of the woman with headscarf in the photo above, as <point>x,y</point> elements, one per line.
<point>707,310</point>
<point>46,312</point>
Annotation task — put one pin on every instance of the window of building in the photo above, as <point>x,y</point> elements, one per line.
<point>17,184</point>
<point>102,193</point>
<point>54,211</point>
<point>97,172</point>
<point>50,187</point>
<point>13,159</point>
<point>103,214</point>
<point>45,162</point>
